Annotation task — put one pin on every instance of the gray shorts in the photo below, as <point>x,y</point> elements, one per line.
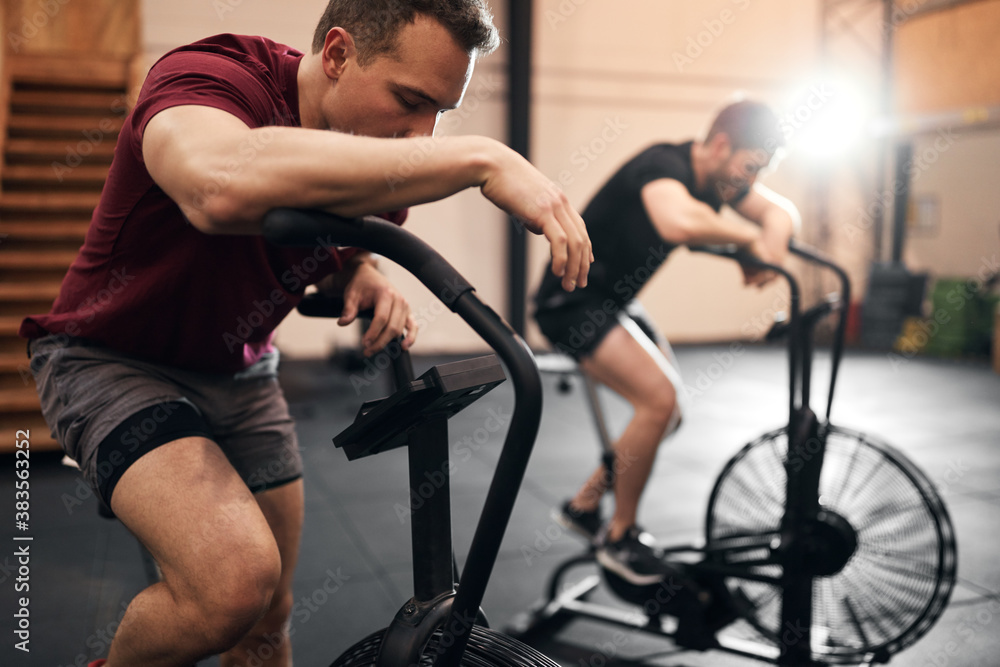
<point>89,392</point>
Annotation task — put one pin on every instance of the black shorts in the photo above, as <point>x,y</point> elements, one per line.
<point>578,328</point>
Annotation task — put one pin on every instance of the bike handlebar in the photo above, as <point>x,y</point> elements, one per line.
<point>800,323</point>
<point>837,351</point>
<point>306,227</point>
<point>299,227</point>
<point>743,257</point>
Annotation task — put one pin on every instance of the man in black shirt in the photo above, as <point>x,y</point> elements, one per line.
<point>667,195</point>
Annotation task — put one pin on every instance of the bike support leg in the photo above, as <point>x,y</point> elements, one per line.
<point>433,564</point>
<point>430,512</point>
<point>803,466</point>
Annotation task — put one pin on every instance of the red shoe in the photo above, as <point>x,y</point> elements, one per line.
<point>98,663</point>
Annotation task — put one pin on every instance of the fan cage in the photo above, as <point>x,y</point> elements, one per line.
<point>486,648</point>
<point>900,577</point>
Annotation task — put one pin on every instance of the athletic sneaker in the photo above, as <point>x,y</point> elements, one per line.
<point>633,558</point>
<point>587,524</point>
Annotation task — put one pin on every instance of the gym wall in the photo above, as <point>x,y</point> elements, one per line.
<point>610,78</point>
<point>95,27</point>
<point>954,227</point>
<point>946,62</point>
<point>949,59</point>
<point>4,101</point>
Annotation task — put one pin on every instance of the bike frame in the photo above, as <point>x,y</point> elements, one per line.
<point>785,547</point>
<point>803,462</point>
<point>436,601</point>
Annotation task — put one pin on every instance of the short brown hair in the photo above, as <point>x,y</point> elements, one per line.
<point>749,124</point>
<point>375,24</point>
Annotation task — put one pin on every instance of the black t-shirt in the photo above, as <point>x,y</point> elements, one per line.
<point>627,248</point>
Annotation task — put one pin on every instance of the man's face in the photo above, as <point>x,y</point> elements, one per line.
<point>401,94</point>
<point>739,171</point>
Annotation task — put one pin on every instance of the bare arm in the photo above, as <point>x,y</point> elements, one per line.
<point>680,218</point>
<point>363,286</point>
<point>334,284</point>
<point>225,176</point>
<point>778,218</point>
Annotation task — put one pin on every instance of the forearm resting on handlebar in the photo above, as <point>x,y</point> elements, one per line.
<point>187,147</point>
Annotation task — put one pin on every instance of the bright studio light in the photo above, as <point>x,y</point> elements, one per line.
<point>826,119</point>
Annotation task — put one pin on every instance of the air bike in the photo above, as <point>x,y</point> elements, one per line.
<point>822,545</point>
<point>442,624</point>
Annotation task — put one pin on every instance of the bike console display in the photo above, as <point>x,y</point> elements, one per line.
<point>441,392</point>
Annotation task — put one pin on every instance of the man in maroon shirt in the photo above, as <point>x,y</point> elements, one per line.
<point>155,366</point>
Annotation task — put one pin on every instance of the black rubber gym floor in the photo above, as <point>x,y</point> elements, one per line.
<point>944,415</point>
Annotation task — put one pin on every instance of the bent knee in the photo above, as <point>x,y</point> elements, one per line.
<point>277,613</point>
<point>272,627</point>
<point>233,601</point>
<point>246,592</point>
<point>659,403</point>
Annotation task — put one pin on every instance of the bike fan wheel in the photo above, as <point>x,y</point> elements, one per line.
<point>486,648</point>
<point>901,570</point>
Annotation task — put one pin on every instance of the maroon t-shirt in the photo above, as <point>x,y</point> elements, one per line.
<point>149,284</point>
